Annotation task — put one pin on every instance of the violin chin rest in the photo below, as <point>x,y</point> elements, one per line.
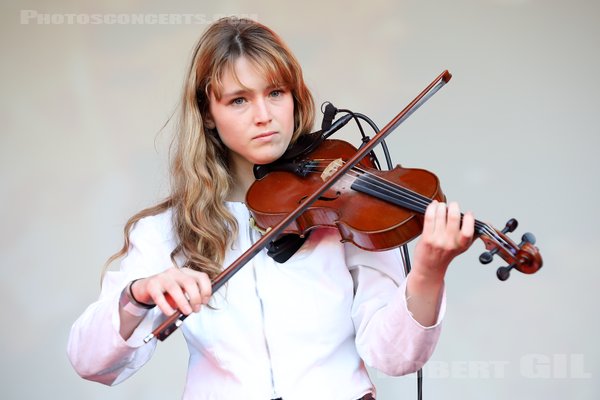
<point>285,246</point>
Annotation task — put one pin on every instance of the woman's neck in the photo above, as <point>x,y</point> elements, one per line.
<point>243,178</point>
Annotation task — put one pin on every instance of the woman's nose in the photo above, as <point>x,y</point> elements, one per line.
<point>262,112</point>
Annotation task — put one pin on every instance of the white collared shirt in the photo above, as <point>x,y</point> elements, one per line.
<point>298,330</point>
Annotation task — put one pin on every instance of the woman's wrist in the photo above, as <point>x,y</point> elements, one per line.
<point>428,278</point>
<point>423,297</point>
<point>136,301</point>
<point>130,304</point>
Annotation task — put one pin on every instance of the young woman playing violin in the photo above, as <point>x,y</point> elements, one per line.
<point>297,330</point>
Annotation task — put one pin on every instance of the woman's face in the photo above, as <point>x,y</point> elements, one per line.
<point>255,120</point>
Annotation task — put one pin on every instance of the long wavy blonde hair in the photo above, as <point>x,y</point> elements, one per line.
<point>200,177</point>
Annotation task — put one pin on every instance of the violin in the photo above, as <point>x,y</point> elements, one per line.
<point>373,209</point>
<point>328,182</point>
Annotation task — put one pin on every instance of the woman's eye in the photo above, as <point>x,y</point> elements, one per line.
<point>238,101</point>
<point>277,93</point>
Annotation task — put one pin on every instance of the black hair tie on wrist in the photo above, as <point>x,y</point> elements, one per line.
<point>134,300</point>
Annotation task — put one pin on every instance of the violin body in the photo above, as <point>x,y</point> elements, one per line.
<point>367,221</point>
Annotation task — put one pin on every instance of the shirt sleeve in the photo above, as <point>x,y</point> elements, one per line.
<point>388,338</point>
<point>95,347</point>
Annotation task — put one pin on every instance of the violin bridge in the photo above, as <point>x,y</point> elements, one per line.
<point>331,169</point>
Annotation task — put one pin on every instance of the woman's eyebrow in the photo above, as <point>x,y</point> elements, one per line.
<point>238,92</point>
<point>244,92</point>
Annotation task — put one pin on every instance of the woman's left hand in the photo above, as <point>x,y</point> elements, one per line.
<point>444,237</point>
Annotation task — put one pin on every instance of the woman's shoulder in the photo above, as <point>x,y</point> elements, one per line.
<point>158,227</point>
<point>151,242</point>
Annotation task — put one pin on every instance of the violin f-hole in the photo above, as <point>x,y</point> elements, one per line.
<point>325,197</point>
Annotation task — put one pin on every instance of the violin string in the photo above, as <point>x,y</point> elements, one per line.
<point>407,197</point>
<point>417,201</point>
<point>411,199</point>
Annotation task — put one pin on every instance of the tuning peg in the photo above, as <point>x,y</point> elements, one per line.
<point>510,226</point>
<point>487,256</point>
<point>527,238</point>
<point>503,273</point>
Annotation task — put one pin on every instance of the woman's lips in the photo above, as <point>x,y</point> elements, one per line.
<point>265,135</point>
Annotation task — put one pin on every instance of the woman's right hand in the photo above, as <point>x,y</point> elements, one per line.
<point>183,289</point>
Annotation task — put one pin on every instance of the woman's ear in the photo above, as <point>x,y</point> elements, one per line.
<point>209,123</point>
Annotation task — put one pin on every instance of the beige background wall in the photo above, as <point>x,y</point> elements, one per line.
<point>514,134</point>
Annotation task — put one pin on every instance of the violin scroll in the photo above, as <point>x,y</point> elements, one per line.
<point>524,257</point>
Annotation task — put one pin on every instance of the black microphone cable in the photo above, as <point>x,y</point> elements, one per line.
<point>328,127</point>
